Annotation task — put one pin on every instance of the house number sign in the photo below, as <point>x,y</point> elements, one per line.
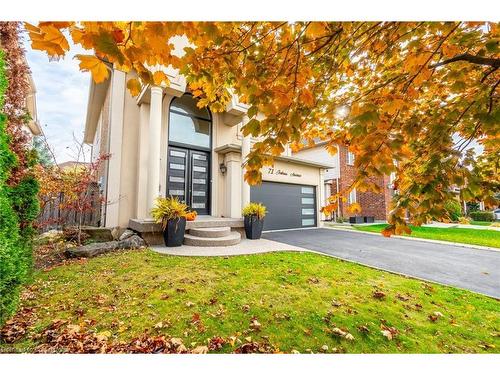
<point>281,172</point>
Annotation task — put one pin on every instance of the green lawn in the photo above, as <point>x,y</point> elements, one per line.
<point>481,237</point>
<point>485,223</point>
<point>302,301</point>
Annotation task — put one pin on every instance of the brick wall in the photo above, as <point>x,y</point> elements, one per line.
<point>372,204</point>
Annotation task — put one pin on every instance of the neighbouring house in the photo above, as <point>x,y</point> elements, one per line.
<point>161,144</point>
<point>33,125</point>
<point>341,176</point>
<point>71,164</point>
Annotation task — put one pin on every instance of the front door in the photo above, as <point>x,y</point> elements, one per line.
<point>188,178</point>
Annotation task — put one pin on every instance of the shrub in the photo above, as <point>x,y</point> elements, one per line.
<point>463,220</point>
<point>254,209</point>
<point>453,209</point>
<point>166,209</point>
<point>341,219</point>
<point>12,268</point>
<point>482,216</point>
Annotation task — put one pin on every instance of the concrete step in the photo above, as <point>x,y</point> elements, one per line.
<point>212,222</point>
<point>232,239</point>
<point>216,232</point>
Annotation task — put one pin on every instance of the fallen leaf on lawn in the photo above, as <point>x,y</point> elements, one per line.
<point>195,318</point>
<point>158,325</point>
<point>313,280</point>
<point>389,332</point>
<point>232,340</point>
<point>104,335</point>
<point>487,346</point>
<point>402,297</point>
<point>336,303</point>
<point>435,316</point>
<point>255,325</point>
<point>294,351</point>
<point>73,328</point>
<point>363,328</point>
<point>245,308</point>
<point>189,304</point>
<point>165,296</point>
<point>341,333</point>
<point>378,294</point>
<point>324,348</point>
<point>216,343</point>
<point>200,350</point>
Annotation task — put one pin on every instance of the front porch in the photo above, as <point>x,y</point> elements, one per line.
<point>151,232</point>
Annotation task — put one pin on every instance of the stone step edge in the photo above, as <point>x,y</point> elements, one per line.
<point>213,232</point>
<point>232,239</point>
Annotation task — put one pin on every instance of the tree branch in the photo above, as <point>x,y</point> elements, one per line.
<point>474,59</point>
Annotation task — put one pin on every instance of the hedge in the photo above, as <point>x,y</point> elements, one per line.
<point>454,209</point>
<point>482,216</point>
<point>12,268</point>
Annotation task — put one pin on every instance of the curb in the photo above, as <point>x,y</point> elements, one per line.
<point>459,244</point>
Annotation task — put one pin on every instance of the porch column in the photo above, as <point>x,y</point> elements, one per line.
<point>153,190</point>
<point>245,150</point>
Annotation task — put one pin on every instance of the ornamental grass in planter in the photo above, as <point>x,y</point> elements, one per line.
<point>171,213</point>
<point>253,214</point>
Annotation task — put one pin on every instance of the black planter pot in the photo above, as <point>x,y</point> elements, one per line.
<point>173,234</point>
<point>356,220</point>
<point>253,227</point>
<point>369,219</point>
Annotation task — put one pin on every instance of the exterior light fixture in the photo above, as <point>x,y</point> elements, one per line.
<point>222,168</point>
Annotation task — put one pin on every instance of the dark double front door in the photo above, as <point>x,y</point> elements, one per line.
<point>188,178</point>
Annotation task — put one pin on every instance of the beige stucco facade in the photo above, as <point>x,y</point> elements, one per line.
<point>134,131</point>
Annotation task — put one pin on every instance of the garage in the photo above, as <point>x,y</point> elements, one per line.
<point>288,205</point>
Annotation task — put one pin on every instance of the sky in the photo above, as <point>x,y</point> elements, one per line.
<point>62,92</point>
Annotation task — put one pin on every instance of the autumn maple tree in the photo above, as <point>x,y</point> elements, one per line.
<point>405,97</point>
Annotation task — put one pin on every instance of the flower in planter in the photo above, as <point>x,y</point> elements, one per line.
<point>254,209</point>
<point>171,213</point>
<point>166,209</point>
<point>254,219</point>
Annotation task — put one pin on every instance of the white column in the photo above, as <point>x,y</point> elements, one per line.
<point>114,178</point>
<point>154,146</point>
<point>245,150</point>
<point>142,164</point>
<point>233,182</point>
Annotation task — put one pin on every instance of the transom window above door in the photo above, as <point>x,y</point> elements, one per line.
<point>188,124</point>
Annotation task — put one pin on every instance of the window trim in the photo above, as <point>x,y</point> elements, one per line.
<point>349,200</point>
<point>351,158</point>
<point>188,145</point>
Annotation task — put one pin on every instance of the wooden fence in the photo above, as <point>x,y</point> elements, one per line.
<point>53,216</point>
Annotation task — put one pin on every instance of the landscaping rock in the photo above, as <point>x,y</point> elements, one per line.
<point>95,249</point>
<point>98,234</point>
<point>128,233</point>
<point>115,233</point>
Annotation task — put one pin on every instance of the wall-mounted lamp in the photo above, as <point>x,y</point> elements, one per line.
<point>222,168</point>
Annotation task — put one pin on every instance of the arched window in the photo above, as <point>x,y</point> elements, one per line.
<point>188,124</point>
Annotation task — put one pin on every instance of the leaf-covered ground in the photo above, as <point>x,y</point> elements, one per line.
<point>480,237</point>
<point>141,301</point>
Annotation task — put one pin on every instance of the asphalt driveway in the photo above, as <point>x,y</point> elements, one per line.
<point>467,268</point>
